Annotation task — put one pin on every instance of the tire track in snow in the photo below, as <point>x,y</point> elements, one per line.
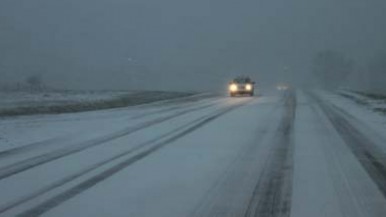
<point>271,196</point>
<point>57,154</point>
<point>91,168</point>
<point>49,142</point>
<point>31,146</point>
<point>364,149</point>
<point>218,200</point>
<point>155,146</point>
<point>169,109</point>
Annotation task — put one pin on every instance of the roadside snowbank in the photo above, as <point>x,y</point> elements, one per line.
<point>28,103</point>
<point>375,102</point>
<point>368,120</point>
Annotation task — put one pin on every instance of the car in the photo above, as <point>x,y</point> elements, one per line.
<point>241,85</point>
<point>282,86</point>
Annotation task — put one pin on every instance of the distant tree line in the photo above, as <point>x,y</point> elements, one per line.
<point>376,72</point>
<point>331,68</point>
<point>334,69</point>
<point>30,83</point>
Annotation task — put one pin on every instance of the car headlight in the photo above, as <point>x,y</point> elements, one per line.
<point>248,87</point>
<point>233,87</point>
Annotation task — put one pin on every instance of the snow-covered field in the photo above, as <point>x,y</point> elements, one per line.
<point>375,102</point>
<point>23,102</point>
<point>24,98</point>
<point>300,154</point>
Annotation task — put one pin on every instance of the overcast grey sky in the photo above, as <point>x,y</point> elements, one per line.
<point>173,44</point>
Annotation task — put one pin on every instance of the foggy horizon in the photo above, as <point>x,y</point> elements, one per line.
<point>184,45</point>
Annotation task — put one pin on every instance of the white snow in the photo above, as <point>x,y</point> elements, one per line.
<point>372,103</point>
<point>17,99</point>
<point>210,171</point>
<point>369,121</point>
<point>328,180</point>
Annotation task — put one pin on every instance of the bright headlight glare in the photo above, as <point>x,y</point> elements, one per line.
<point>248,87</point>
<point>233,87</point>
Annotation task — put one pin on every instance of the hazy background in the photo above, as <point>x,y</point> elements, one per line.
<point>188,44</point>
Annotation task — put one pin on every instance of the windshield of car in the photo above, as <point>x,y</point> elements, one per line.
<point>242,80</point>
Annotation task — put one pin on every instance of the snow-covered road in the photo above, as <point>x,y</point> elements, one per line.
<point>300,154</point>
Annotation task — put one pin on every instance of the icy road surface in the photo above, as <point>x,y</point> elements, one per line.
<point>300,154</point>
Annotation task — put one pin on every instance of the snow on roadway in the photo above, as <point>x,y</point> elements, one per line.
<point>209,157</point>
<point>55,128</point>
<point>372,122</point>
<point>186,170</point>
<point>116,144</point>
<point>328,179</point>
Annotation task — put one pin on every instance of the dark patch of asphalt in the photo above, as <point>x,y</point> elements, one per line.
<point>272,194</point>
